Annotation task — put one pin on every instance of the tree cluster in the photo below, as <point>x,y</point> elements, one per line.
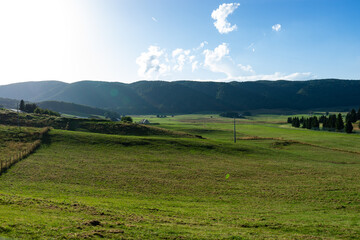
<point>309,123</point>
<point>33,108</point>
<point>329,122</point>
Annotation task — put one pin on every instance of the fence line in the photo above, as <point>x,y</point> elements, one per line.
<point>6,164</point>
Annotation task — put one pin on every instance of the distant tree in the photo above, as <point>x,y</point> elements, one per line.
<point>22,105</point>
<point>327,113</point>
<point>302,119</point>
<point>295,122</point>
<point>358,114</point>
<point>353,116</point>
<point>30,107</point>
<point>339,125</point>
<point>347,118</point>
<point>37,111</point>
<point>231,115</point>
<point>289,120</point>
<point>322,118</point>
<point>349,127</point>
<point>315,123</point>
<point>126,119</point>
<point>331,123</point>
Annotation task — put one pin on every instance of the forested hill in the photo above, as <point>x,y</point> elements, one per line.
<point>147,97</point>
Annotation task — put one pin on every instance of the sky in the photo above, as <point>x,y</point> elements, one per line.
<point>132,40</point>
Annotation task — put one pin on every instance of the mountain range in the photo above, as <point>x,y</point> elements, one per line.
<point>158,97</point>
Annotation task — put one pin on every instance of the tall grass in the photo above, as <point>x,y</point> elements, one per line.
<point>6,164</point>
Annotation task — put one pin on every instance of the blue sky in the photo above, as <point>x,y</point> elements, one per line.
<point>127,41</point>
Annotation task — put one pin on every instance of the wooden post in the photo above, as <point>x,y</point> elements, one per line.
<point>234,131</point>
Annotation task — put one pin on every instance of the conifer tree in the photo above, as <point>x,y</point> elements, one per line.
<point>302,120</point>
<point>332,121</point>
<point>22,105</point>
<point>315,123</point>
<point>339,123</point>
<point>353,116</point>
<point>349,127</point>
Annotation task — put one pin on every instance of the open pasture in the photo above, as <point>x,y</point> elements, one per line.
<point>276,182</point>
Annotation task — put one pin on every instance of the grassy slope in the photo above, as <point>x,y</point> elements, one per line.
<point>14,140</point>
<point>149,187</point>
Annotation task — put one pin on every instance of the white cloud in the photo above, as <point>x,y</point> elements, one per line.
<point>246,68</point>
<point>151,64</point>
<point>220,61</point>
<point>220,15</point>
<point>171,65</point>
<point>276,28</point>
<point>201,46</point>
<point>194,66</point>
<point>154,19</point>
<point>181,56</point>
<point>215,59</point>
<point>276,76</point>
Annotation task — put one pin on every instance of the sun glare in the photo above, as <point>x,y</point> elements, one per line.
<point>39,38</point>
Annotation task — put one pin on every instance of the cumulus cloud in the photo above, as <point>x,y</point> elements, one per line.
<point>215,60</point>
<point>276,28</point>
<point>180,57</point>
<point>246,68</point>
<point>220,15</point>
<point>157,62</point>
<point>220,61</point>
<point>151,63</point>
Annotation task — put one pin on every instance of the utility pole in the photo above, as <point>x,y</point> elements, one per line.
<point>234,131</point>
<point>18,121</point>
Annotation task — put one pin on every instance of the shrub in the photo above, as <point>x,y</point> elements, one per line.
<point>127,119</point>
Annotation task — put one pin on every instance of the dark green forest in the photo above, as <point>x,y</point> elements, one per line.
<point>161,97</point>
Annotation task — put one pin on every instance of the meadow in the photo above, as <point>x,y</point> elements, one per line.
<point>275,182</point>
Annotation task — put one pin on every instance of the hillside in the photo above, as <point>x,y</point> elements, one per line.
<point>155,97</point>
<point>61,107</point>
<point>72,108</point>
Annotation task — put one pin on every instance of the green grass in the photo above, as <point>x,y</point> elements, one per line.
<point>177,188</point>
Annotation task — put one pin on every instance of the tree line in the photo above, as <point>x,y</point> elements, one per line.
<point>33,108</point>
<point>331,122</point>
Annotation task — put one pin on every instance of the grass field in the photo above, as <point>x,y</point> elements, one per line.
<point>285,184</point>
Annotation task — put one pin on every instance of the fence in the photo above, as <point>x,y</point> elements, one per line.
<point>6,164</point>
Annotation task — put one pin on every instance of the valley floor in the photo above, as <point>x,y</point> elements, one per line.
<point>276,182</point>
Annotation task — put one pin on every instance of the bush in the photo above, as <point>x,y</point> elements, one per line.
<point>127,119</point>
